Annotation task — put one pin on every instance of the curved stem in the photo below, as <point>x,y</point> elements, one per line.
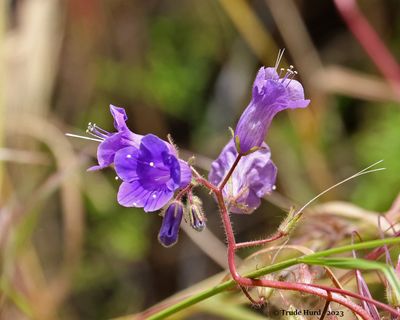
<point>185,302</point>
<point>328,293</point>
<point>183,191</point>
<point>248,282</point>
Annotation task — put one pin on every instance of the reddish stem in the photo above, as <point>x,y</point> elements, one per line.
<point>359,297</point>
<point>199,179</point>
<point>184,191</point>
<point>328,293</point>
<point>228,175</point>
<point>254,243</point>
<point>247,282</point>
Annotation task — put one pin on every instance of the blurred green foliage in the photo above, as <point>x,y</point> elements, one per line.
<point>176,70</point>
<point>379,139</point>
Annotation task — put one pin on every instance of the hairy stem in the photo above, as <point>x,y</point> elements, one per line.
<point>249,282</point>
<point>186,302</point>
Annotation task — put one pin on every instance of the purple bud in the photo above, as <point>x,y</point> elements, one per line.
<point>196,217</point>
<point>271,93</point>
<point>169,230</point>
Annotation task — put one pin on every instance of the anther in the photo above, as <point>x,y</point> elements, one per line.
<point>291,77</point>
<point>151,164</point>
<point>129,156</point>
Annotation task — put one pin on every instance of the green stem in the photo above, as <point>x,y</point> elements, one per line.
<point>266,270</point>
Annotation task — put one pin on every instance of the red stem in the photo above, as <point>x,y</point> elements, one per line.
<point>359,297</point>
<point>228,175</point>
<point>254,243</point>
<point>328,293</point>
<point>183,192</point>
<point>247,282</point>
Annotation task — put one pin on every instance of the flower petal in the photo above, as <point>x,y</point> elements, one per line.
<point>120,117</point>
<point>270,73</point>
<point>158,199</point>
<point>151,147</point>
<point>186,173</point>
<point>174,170</point>
<point>107,149</point>
<point>254,177</point>
<point>269,172</point>
<point>132,194</point>
<point>125,162</point>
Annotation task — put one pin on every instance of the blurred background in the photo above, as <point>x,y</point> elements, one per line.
<point>68,250</point>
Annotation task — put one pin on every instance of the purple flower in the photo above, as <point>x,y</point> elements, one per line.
<point>169,230</point>
<point>151,174</point>
<point>271,94</point>
<point>112,142</point>
<point>253,177</point>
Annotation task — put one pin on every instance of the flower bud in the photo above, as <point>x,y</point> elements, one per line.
<point>290,222</point>
<point>169,230</point>
<point>195,214</point>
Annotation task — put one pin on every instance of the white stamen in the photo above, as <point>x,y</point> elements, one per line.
<point>129,156</point>
<point>94,135</point>
<point>291,77</point>
<point>82,137</point>
<point>154,196</point>
<point>116,178</point>
<point>274,187</point>
<point>151,164</point>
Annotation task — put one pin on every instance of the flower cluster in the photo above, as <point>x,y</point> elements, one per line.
<point>151,173</point>
<point>154,177</point>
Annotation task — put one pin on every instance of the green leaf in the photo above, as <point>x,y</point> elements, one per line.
<point>210,292</point>
<point>360,264</point>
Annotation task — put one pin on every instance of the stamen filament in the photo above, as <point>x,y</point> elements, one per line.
<point>82,137</point>
<point>279,58</point>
